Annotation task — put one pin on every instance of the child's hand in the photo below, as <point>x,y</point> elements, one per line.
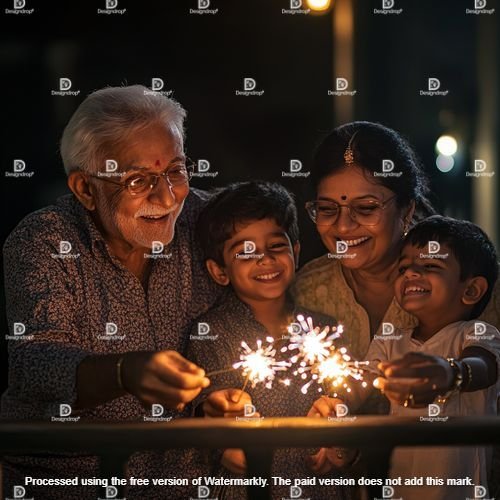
<point>416,379</point>
<point>234,460</point>
<point>328,458</point>
<point>325,407</point>
<point>331,458</point>
<point>227,403</point>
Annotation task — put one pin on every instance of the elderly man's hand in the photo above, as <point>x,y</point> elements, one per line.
<point>163,377</point>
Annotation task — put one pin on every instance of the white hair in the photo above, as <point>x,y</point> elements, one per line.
<point>106,117</point>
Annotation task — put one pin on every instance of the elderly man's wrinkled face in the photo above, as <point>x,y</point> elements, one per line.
<point>141,219</point>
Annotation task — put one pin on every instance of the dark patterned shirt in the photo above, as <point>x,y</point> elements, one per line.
<point>231,322</point>
<point>75,299</point>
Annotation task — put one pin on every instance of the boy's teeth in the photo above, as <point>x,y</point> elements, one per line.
<point>414,288</point>
<point>269,276</point>
<point>351,243</point>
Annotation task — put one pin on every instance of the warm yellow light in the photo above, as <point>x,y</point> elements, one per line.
<point>446,145</point>
<point>318,5</point>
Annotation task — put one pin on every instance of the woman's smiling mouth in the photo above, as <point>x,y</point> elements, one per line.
<point>354,242</point>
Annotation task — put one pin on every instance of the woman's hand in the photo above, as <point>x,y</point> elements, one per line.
<point>416,379</point>
<point>163,377</point>
<point>328,458</point>
<point>227,403</point>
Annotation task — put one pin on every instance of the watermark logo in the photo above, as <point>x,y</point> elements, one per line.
<point>111,492</point>
<point>433,88</point>
<point>65,411</point>
<point>480,8</point>
<point>18,8</point>
<point>65,251</point>
<point>294,8</point>
<point>111,7</point>
<point>203,169</point>
<point>433,249</point>
<point>157,248</point>
<point>295,170</point>
<point>480,167</point>
<point>157,412</point>
<point>203,8</point>
<point>341,248</point>
<point>480,492</point>
<point>387,332</point>
<point>203,494</point>
<point>433,412</point>
<point>341,88</point>
<point>157,85</point>
<point>18,332</point>
<point>111,332</point>
<point>341,414</point>
<point>388,8</point>
<point>293,329</point>
<point>110,169</point>
<point>249,86</point>
<point>249,248</point>
<point>249,413</point>
<point>295,493</point>
<point>19,169</point>
<point>19,493</point>
<point>65,85</point>
<point>387,170</point>
<point>480,332</point>
<point>203,333</point>
<point>387,491</point>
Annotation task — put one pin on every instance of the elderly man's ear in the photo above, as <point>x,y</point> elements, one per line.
<point>82,189</point>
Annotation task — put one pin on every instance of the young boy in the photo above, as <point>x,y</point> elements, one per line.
<point>249,234</point>
<point>447,271</point>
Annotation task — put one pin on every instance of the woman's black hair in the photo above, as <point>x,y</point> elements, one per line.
<point>371,144</point>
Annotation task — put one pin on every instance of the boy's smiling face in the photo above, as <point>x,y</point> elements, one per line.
<point>431,289</point>
<point>264,278</point>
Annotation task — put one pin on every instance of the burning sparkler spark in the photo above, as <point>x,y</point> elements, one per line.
<point>260,365</point>
<point>313,343</point>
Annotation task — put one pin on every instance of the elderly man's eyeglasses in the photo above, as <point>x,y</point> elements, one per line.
<point>140,184</point>
<point>364,212</point>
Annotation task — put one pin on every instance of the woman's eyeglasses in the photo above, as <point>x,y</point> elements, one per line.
<point>364,212</point>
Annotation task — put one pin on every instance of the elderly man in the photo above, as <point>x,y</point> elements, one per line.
<point>106,283</point>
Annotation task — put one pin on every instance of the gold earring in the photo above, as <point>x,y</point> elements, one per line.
<point>406,229</point>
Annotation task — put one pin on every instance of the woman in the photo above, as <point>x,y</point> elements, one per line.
<point>364,212</point>
<point>370,188</point>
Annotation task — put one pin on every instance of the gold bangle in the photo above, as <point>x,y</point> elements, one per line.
<point>468,369</point>
<point>119,380</point>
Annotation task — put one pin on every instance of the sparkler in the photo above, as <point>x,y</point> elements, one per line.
<point>313,343</point>
<point>320,359</point>
<point>260,365</point>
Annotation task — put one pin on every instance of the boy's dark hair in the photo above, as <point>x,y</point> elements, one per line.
<point>244,202</point>
<point>474,251</point>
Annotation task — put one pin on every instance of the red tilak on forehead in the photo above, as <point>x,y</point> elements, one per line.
<point>157,163</point>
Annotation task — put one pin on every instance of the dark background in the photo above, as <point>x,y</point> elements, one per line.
<point>204,60</point>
